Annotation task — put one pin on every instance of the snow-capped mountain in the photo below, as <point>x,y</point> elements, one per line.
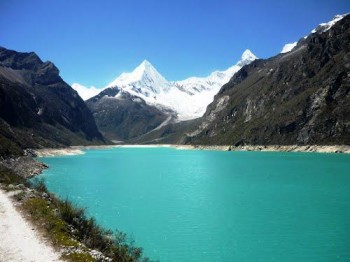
<point>324,27</point>
<point>194,85</point>
<point>288,47</point>
<point>145,80</point>
<point>321,28</point>
<point>85,92</point>
<point>187,98</point>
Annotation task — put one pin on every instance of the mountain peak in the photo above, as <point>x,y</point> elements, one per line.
<point>144,80</point>
<point>146,63</point>
<point>86,92</point>
<point>288,47</point>
<point>144,67</point>
<point>323,27</point>
<point>248,56</point>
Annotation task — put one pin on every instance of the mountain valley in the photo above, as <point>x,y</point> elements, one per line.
<point>300,96</point>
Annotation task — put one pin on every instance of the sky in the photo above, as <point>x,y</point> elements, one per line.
<point>93,41</point>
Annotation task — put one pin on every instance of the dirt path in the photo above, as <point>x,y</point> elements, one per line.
<point>18,240</point>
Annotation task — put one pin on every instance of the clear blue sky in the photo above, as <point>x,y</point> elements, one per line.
<point>92,42</point>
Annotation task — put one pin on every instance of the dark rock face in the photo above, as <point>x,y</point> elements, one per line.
<point>124,117</point>
<point>37,108</point>
<point>300,97</point>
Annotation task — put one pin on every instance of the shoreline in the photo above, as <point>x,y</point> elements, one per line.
<point>274,148</point>
<point>19,240</point>
<point>79,150</point>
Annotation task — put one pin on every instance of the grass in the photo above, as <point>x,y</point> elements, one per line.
<point>43,213</point>
<point>79,257</point>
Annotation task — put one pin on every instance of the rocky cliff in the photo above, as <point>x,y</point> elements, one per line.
<point>299,97</point>
<point>121,116</point>
<point>37,108</point>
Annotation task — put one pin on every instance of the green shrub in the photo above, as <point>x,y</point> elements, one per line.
<point>39,185</point>
<point>116,246</point>
<point>43,214</point>
<point>79,257</point>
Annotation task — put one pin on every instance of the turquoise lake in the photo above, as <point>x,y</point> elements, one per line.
<point>192,205</point>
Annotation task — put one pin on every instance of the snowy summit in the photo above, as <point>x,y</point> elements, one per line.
<point>144,80</point>
<point>187,98</point>
<point>321,28</point>
<point>85,92</point>
<point>288,47</point>
<point>324,27</point>
<point>247,57</point>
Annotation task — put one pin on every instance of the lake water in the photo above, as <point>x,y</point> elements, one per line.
<point>189,205</point>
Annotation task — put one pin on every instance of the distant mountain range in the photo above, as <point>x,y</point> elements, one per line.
<point>143,101</point>
<point>300,96</point>
<point>188,98</point>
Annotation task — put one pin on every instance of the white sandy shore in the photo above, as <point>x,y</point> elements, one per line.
<point>18,240</point>
<point>58,152</point>
<point>78,150</point>
<point>274,148</point>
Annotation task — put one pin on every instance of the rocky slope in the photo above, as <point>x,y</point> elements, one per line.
<point>37,108</point>
<point>171,133</point>
<point>121,116</point>
<point>301,96</point>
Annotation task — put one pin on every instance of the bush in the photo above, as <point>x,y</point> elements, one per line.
<point>116,246</point>
<point>39,185</point>
<point>43,213</point>
<point>88,232</point>
<point>79,257</point>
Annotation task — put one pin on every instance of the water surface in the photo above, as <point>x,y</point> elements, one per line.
<point>191,205</point>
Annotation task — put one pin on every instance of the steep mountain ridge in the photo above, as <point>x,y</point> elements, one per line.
<point>37,108</point>
<point>321,28</point>
<point>298,97</point>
